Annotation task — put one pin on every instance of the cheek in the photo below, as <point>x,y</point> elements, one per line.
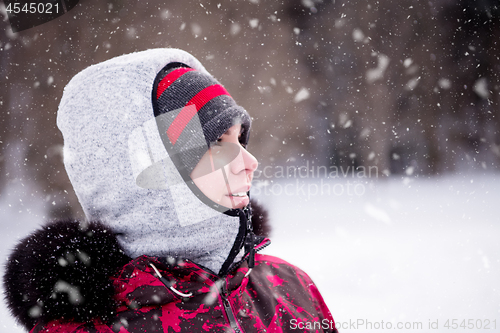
<point>212,185</point>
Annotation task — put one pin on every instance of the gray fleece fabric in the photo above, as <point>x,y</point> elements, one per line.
<point>121,171</point>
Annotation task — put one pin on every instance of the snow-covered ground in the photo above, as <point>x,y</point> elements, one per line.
<point>404,251</point>
<point>408,252</point>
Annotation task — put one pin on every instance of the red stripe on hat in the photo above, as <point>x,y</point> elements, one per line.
<point>170,78</point>
<point>192,107</point>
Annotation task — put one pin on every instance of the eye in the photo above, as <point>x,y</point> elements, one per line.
<point>216,143</point>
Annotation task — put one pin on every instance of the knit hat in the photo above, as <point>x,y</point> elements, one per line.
<point>130,173</point>
<point>192,111</point>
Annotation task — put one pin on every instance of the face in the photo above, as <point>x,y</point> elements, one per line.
<point>224,174</point>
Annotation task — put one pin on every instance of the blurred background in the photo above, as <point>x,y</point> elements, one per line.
<point>392,84</point>
<point>409,88</point>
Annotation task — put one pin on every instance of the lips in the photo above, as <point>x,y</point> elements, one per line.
<point>241,192</point>
<point>238,202</point>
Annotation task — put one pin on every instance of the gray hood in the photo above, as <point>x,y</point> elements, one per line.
<point>121,171</point>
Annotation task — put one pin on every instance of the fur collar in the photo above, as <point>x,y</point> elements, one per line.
<point>62,271</point>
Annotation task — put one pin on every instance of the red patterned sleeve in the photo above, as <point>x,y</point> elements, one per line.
<point>326,318</point>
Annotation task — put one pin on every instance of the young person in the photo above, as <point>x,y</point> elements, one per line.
<point>155,149</point>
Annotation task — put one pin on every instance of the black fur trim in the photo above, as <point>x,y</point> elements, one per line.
<point>260,220</point>
<point>62,271</point>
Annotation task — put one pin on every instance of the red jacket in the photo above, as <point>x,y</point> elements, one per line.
<point>274,297</point>
<point>71,290</point>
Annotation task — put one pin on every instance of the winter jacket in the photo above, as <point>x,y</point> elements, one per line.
<point>69,277</point>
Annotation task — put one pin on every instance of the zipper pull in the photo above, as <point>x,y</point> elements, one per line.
<point>227,306</point>
<point>251,259</point>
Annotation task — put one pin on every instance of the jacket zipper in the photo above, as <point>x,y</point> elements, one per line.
<point>227,307</point>
<point>257,249</point>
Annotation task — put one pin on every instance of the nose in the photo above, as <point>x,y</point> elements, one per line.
<point>247,163</point>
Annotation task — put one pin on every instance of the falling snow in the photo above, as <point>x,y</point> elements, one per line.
<point>301,95</point>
